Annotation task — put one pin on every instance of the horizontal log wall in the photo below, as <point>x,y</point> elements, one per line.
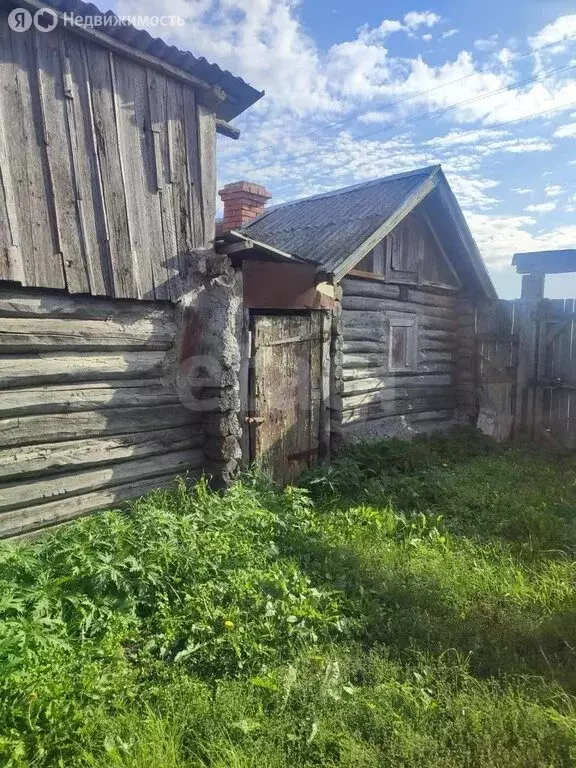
<point>370,401</point>
<point>107,172</point>
<point>90,414</point>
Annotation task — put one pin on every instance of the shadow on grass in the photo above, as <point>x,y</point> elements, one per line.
<point>395,601</point>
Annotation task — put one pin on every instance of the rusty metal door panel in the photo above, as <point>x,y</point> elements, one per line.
<point>286,393</point>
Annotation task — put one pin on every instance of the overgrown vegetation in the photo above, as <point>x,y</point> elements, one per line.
<point>411,605</point>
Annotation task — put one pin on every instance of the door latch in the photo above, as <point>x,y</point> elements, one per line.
<point>254,420</point>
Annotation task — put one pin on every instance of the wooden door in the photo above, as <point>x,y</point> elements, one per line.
<point>288,402</point>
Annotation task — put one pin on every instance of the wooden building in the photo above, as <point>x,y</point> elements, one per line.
<point>136,344</point>
<point>406,277</point>
<point>108,276</point>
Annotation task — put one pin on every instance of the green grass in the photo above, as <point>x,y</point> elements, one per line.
<point>411,605</point>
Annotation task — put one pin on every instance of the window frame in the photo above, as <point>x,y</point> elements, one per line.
<point>410,321</point>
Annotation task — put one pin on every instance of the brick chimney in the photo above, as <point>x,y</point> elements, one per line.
<point>243,201</point>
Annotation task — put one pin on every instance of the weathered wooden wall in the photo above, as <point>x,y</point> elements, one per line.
<point>497,351</point>
<point>89,409</point>
<point>527,370</point>
<point>368,400</point>
<point>107,169</point>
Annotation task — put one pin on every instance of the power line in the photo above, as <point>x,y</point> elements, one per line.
<point>393,104</point>
<point>475,130</point>
<point>441,111</point>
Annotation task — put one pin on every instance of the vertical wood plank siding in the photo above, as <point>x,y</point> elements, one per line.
<point>91,416</point>
<point>107,169</point>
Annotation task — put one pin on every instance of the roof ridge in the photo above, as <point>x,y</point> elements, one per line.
<point>426,170</point>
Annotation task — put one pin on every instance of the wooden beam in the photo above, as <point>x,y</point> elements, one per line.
<point>225,129</point>
<point>228,248</point>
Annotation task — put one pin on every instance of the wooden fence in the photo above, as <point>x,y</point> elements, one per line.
<point>527,370</point>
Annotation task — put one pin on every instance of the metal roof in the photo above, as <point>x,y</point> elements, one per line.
<point>240,95</point>
<point>327,228</point>
<point>334,229</point>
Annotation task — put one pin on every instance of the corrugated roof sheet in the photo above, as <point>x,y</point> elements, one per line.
<point>326,228</point>
<point>240,94</point>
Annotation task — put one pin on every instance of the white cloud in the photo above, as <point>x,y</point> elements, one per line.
<point>449,33</point>
<point>553,190</point>
<point>561,29</point>
<point>427,38</point>
<point>379,33</point>
<point>566,131</point>
<point>415,19</point>
<point>292,141</point>
<point>486,44</point>
<point>499,237</point>
<point>376,117</point>
<point>541,207</point>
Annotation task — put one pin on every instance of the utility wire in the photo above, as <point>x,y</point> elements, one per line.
<point>439,112</point>
<point>393,104</point>
<point>475,130</point>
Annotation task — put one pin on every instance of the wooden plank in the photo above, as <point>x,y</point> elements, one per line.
<point>324,437</point>
<point>22,461</point>
<point>22,335</point>
<point>398,408</point>
<point>367,304</point>
<point>111,173</point>
<point>161,127</point>
<point>207,156</point>
<point>11,264</point>
<point>41,261</point>
<point>26,304</point>
<point>86,171</point>
<point>35,370</point>
<point>87,396</point>
<point>352,401</point>
<point>32,430</point>
<point>178,173</point>
<point>193,168</point>
<point>37,491</point>
<point>525,312</point>
<point>245,344</point>
<point>131,100</point>
<point>417,380</point>
<point>61,188</point>
<point>18,522</point>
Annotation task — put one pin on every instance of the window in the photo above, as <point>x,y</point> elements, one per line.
<point>402,343</point>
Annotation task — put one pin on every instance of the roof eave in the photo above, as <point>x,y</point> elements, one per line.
<point>234,236</point>
<point>467,239</point>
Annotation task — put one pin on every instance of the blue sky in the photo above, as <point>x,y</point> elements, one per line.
<point>351,85</point>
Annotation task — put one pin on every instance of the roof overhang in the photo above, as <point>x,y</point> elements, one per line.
<point>226,94</point>
<point>233,242</point>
